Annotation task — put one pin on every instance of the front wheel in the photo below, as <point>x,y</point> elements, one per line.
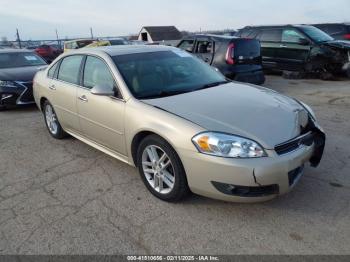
<point>161,169</point>
<point>52,123</point>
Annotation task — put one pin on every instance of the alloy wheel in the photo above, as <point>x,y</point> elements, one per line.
<point>51,119</point>
<point>158,169</point>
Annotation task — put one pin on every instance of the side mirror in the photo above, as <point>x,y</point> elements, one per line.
<point>303,41</point>
<point>102,90</point>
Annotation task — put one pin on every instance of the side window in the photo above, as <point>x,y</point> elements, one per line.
<point>187,45</point>
<point>291,36</point>
<point>52,70</point>
<point>270,35</point>
<point>96,72</point>
<point>69,69</point>
<point>204,47</point>
<point>69,46</point>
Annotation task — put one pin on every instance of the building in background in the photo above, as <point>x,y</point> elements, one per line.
<point>168,35</point>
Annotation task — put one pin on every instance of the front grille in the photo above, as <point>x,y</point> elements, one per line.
<point>294,144</point>
<point>27,95</point>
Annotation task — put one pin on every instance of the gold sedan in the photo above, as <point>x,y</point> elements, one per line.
<point>180,122</point>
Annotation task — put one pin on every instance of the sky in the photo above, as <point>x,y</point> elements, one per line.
<point>39,19</point>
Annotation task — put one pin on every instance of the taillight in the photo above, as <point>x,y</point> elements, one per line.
<point>230,54</point>
<point>347,36</point>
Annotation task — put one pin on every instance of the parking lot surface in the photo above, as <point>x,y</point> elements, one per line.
<point>64,197</point>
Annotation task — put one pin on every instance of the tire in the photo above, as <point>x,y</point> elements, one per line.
<point>173,178</point>
<point>325,75</point>
<point>2,108</point>
<point>51,120</point>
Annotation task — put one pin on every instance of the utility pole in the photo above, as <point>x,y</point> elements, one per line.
<point>92,35</point>
<point>58,41</point>
<point>18,39</point>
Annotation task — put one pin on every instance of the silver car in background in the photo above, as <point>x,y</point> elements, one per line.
<point>180,122</point>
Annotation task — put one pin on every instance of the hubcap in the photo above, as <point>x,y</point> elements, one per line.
<point>51,119</point>
<point>158,169</point>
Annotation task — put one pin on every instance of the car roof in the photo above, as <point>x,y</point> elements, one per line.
<point>226,37</point>
<point>275,26</point>
<point>123,49</point>
<point>346,23</point>
<point>11,50</point>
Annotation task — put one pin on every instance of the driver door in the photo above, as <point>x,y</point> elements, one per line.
<point>101,117</point>
<point>294,51</point>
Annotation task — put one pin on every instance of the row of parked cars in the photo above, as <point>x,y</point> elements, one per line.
<point>296,50</point>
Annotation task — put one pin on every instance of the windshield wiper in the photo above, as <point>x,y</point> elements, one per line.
<point>212,85</point>
<point>165,93</point>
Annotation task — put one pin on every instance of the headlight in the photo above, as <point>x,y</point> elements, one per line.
<point>7,83</point>
<point>223,145</point>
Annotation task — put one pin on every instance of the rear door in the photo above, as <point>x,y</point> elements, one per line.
<point>64,89</point>
<point>204,49</point>
<point>294,51</point>
<point>101,117</point>
<point>270,39</point>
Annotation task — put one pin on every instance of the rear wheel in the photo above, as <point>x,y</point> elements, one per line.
<point>161,169</point>
<point>51,121</point>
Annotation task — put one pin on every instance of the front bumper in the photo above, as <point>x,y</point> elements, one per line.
<point>250,180</point>
<point>20,95</point>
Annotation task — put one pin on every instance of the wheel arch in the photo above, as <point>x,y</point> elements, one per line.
<point>139,136</point>
<point>41,103</point>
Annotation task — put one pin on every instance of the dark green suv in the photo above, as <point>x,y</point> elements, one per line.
<point>300,48</point>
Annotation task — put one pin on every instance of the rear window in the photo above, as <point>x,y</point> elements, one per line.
<point>11,60</point>
<point>247,48</point>
<point>249,33</point>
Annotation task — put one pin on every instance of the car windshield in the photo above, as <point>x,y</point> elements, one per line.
<point>165,73</point>
<point>316,34</point>
<point>11,60</point>
<point>118,42</point>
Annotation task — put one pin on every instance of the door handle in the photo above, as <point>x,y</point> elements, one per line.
<point>52,87</point>
<point>283,46</point>
<point>83,98</point>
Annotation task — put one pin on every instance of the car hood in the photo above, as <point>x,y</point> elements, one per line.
<point>343,44</point>
<point>24,74</point>
<point>253,112</point>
